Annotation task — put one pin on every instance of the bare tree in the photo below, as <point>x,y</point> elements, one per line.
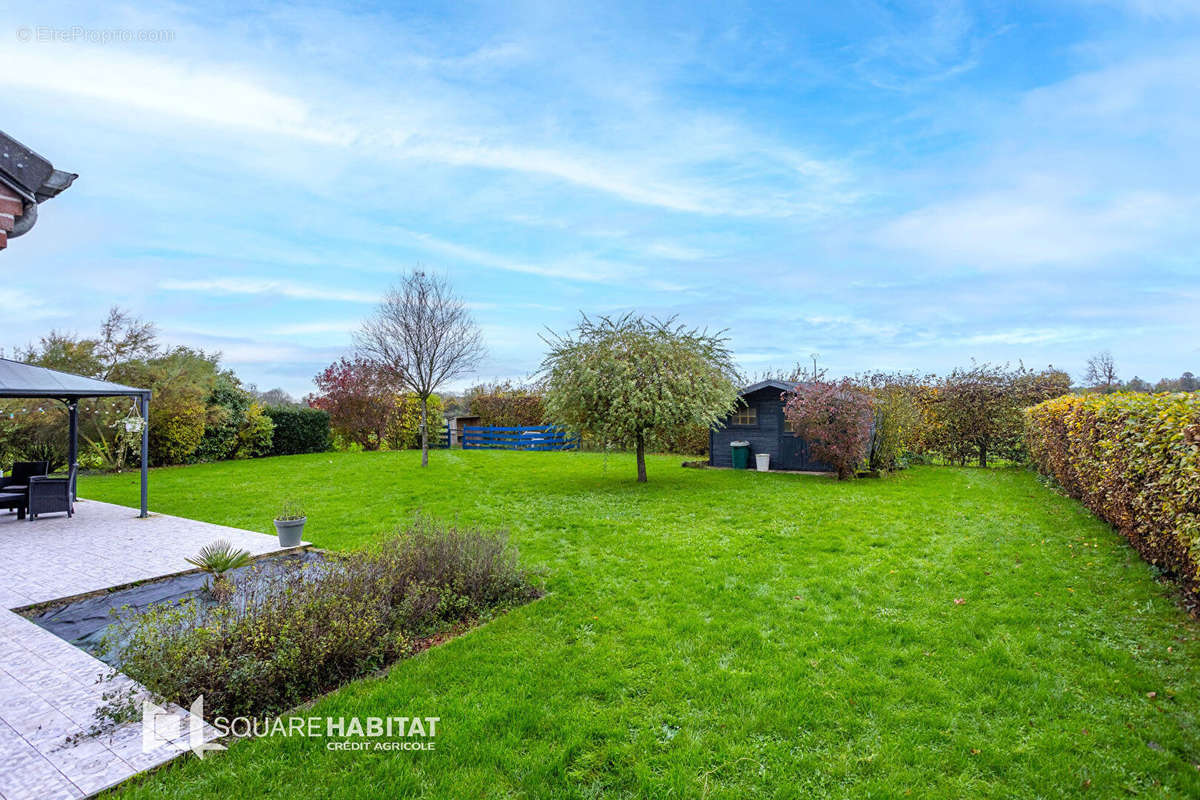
<point>1102,372</point>
<point>422,335</point>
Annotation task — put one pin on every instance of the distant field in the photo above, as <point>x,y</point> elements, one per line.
<point>729,634</point>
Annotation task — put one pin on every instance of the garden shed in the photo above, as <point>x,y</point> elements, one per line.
<point>759,420</point>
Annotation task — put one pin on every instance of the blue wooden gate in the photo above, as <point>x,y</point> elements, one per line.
<point>536,437</point>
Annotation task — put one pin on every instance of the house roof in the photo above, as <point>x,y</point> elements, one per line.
<point>18,379</point>
<point>28,174</point>
<point>783,386</point>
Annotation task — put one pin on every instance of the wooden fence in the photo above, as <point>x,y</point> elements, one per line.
<point>538,437</point>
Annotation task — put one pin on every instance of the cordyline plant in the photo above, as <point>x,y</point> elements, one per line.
<point>623,379</point>
<point>835,418</point>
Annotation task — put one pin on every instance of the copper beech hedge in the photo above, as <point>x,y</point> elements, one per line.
<point>1134,460</point>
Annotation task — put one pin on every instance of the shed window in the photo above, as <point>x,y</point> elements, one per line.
<point>746,416</point>
<point>788,427</point>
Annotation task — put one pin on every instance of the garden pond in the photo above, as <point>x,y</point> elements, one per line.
<point>92,623</point>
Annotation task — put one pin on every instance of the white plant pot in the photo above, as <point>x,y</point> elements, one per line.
<point>763,461</point>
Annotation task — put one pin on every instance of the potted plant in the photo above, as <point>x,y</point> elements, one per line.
<point>289,524</point>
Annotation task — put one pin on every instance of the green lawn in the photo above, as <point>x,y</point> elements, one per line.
<point>735,635</point>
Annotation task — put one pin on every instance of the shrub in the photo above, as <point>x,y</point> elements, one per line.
<point>292,637</point>
<point>1134,460</point>
<point>255,433</point>
<point>689,440</point>
<point>298,429</point>
<point>835,418</point>
<point>507,406</point>
<point>176,430</point>
<point>975,413</point>
<point>899,430</point>
<point>404,433</point>
<point>360,398</point>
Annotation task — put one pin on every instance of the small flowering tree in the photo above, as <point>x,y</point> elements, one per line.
<point>629,379</point>
<point>835,418</point>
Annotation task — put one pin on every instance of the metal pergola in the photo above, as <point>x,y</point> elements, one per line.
<point>19,380</point>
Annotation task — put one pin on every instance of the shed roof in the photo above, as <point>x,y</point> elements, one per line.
<point>18,379</point>
<point>783,386</point>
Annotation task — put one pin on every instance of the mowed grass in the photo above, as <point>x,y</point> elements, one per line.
<point>730,635</point>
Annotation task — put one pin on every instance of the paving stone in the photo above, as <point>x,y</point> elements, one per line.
<point>50,690</point>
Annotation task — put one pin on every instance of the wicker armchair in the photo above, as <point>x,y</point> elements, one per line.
<point>50,495</point>
<point>22,471</point>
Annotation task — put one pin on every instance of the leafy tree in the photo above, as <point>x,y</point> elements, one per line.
<point>38,429</point>
<point>1186,382</point>
<point>360,397</point>
<point>183,381</point>
<point>405,430</point>
<point>422,336</point>
<point>978,411</point>
<point>1136,384</point>
<point>236,425</point>
<point>624,380</point>
<point>506,405</point>
<point>899,400</point>
<point>835,418</point>
<point>273,397</point>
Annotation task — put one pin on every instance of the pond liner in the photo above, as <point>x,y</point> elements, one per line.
<point>85,620</point>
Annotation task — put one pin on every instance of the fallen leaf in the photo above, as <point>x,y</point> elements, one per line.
<point>1152,695</point>
<point>974,751</point>
<point>958,601</point>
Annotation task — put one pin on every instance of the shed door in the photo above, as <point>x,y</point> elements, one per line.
<point>793,452</point>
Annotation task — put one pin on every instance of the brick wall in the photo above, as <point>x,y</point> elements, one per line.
<point>10,209</point>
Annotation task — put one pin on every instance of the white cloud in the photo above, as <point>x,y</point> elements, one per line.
<point>267,286</point>
<point>1017,336</point>
<point>16,302</point>
<point>1040,223</point>
<point>212,93</point>
<point>675,160</point>
<point>345,327</point>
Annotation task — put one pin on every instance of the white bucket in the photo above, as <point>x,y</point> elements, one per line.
<point>763,461</point>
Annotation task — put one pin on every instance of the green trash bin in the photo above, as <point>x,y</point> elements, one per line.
<point>741,454</point>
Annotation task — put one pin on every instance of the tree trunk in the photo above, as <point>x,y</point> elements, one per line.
<point>641,457</point>
<point>424,431</point>
<point>983,448</point>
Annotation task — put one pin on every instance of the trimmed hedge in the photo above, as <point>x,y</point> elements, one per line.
<point>298,429</point>
<point>1134,460</point>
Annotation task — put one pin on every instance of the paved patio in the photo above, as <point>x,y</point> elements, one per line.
<point>49,690</point>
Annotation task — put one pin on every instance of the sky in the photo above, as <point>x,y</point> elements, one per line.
<point>888,185</point>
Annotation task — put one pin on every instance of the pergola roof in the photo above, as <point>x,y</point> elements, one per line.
<point>26,380</point>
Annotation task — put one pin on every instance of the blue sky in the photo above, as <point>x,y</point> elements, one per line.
<point>899,186</point>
